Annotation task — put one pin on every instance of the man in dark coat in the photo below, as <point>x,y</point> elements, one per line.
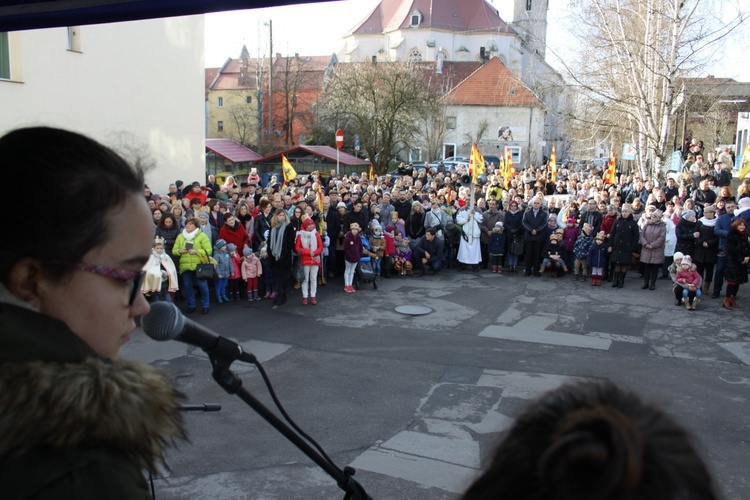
<point>489,218</point>
<point>428,252</point>
<point>592,217</point>
<point>623,242</point>
<point>403,205</point>
<point>535,223</point>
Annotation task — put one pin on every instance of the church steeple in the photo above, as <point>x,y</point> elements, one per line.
<point>530,21</point>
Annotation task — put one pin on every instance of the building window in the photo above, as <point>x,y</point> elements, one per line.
<point>450,122</point>
<point>4,56</point>
<point>415,20</point>
<point>248,99</point>
<point>220,126</point>
<point>220,102</point>
<point>415,56</point>
<point>415,154</point>
<point>74,38</point>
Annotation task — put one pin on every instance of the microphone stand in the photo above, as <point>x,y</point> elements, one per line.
<point>221,360</point>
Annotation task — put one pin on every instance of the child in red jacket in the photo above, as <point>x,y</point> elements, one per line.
<point>688,275</point>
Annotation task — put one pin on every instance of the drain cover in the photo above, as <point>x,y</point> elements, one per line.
<point>413,310</point>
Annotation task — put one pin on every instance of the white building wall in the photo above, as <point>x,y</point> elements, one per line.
<point>140,84</point>
<point>528,121</point>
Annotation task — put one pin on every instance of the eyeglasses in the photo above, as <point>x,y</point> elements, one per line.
<point>132,278</point>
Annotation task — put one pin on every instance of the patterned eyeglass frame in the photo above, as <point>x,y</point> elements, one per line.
<point>124,275</point>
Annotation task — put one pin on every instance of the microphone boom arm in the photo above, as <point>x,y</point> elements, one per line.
<point>232,384</point>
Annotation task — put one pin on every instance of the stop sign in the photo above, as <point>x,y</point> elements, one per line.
<point>339,138</point>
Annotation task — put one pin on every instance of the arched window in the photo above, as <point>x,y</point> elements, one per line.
<point>415,56</point>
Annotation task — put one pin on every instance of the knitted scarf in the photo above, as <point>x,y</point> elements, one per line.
<point>277,240</point>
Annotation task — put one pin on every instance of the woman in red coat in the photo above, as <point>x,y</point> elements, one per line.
<point>234,232</point>
<point>309,247</point>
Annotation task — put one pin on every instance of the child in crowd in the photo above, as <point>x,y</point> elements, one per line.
<point>581,252</point>
<point>224,270</point>
<point>389,250</point>
<point>403,256</point>
<point>689,278</point>
<point>269,277</point>
<point>377,247</point>
<point>452,235</point>
<point>496,247</point>
<point>353,250</point>
<point>234,278</point>
<point>251,271</point>
<point>552,261</point>
<point>597,259</point>
<point>160,281</point>
<point>570,235</point>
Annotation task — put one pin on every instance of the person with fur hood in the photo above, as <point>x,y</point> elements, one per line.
<point>653,238</point>
<point>78,420</point>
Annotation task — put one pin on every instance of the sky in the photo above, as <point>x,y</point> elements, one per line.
<point>317,29</point>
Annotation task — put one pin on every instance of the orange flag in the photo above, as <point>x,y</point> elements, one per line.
<point>553,165</point>
<point>609,175</point>
<point>372,172</point>
<point>509,167</point>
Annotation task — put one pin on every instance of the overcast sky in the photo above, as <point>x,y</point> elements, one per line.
<point>317,29</point>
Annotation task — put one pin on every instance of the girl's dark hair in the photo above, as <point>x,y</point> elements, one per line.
<point>594,441</point>
<point>166,216</point>
<point>89,181</point>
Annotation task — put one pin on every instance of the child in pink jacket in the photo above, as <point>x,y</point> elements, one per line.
<point>251,271</point>
<point>689,278</point>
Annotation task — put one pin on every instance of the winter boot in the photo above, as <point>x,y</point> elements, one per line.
<point>645,282</point>
<point>615,280</point>
<point>696,301</point>
<point>727,303</point>
<point>594,279</point>
<point>499,269</point>
<point>733,299</point>
<point>688,304</point>
<point>322,281</point>
<point>621,282</point>
<point>652,283</point>
<point>219,299</point>
<point>706,287</point>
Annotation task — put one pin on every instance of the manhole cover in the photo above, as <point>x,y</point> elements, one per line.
<point>413,310</point>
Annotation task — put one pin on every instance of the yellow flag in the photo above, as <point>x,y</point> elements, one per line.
<point>287,169</point>
<point>609,176</point>
<point>509,165</point>
<point>476,162</point>
<point>372,172</point>
<point>503,171</point>
<point>553,165</point>
<point>745,167</point>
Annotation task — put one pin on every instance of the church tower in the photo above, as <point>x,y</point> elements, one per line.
<point>530,20</point>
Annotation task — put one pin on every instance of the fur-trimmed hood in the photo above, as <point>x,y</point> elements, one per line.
<point>124,405</point>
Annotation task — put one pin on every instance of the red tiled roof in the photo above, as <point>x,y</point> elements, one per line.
<point>210,75</point>
<point>231,150</point>
<point>492,85</point>
<point>453,15</point>
<point>323,151</point>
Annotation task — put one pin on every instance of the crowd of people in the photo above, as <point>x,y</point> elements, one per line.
<point>78,421</point>
<point>569,222</point>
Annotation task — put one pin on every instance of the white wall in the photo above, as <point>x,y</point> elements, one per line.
<point>468,118</point>
<point>135,83</point>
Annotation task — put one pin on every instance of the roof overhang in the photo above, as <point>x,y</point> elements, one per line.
<point>17,15</point>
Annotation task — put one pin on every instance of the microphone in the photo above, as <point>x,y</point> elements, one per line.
<point>166,322</point>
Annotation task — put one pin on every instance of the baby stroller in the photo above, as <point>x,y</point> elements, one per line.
<point>365,272</point>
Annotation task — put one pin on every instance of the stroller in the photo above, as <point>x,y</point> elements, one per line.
<point>365,272</point>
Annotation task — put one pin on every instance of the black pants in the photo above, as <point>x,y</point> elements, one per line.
<point>533,256</point>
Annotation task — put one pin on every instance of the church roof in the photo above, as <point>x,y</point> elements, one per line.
<point>452,15</point>
<point>492,85</point>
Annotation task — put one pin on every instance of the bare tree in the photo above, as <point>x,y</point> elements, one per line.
<point>384,103</point>
<point>636,52</point>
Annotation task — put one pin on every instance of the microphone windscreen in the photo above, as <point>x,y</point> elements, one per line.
<point>163,322</point>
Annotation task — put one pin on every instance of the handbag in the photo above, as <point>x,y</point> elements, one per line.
<point>205,270</point>
<point>516,245</point>
<point>299,272</point>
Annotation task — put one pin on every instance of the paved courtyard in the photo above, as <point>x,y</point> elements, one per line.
<point>416,403</point>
